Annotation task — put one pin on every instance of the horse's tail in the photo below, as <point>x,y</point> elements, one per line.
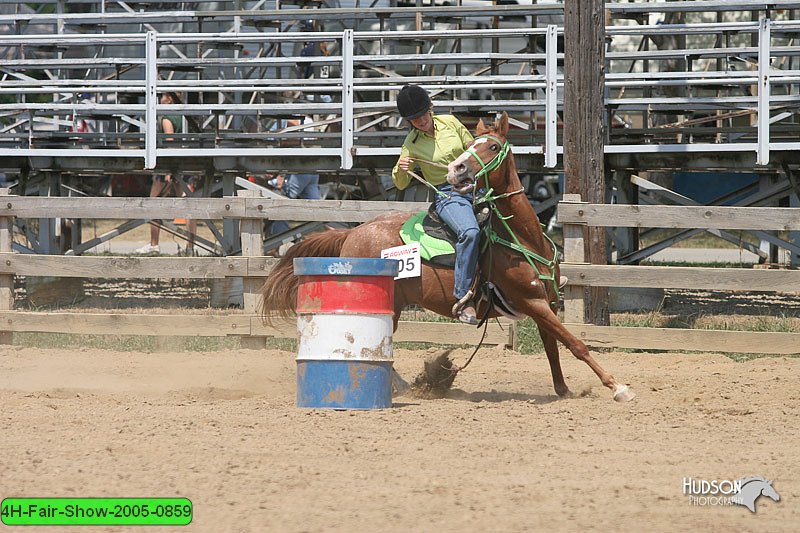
<point>279,293</point>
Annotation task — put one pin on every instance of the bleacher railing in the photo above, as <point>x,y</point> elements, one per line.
<point>96,95</point>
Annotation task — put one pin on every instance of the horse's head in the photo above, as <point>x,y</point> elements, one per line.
<point>486,154</point>
<point>768,490</point>
<point>752,487</point>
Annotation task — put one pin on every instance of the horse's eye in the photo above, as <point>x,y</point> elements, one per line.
<point>495,148</point>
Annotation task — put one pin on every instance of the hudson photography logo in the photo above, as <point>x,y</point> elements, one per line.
<point>744,491</point>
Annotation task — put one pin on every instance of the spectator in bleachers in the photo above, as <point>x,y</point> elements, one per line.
<point>167,185</point>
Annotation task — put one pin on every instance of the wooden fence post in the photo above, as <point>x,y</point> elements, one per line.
<point>6,280</point>
<point>584,129</point>
<point>574,306</point>
<point>513,336</point>
<point>252,246</point>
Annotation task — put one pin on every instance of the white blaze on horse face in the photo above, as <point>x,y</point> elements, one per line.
<point>460,169</point>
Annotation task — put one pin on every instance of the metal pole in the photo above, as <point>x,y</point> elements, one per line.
<point>347,99</point>
<point>151,98</point>
<point>762,152</point>
<point>551,98</point>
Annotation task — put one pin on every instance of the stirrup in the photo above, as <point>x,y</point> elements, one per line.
<point>459,305</point>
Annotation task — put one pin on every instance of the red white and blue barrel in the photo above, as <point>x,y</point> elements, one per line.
<point>344,317</point>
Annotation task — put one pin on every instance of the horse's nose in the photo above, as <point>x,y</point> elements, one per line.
<point>460,168</point>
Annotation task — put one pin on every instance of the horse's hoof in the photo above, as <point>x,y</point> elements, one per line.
<point>622,393</point>
<point>564,393</point>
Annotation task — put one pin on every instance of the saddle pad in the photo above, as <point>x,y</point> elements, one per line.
<point>429,247</point>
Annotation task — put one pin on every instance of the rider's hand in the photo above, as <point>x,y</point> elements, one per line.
<point>404,163</point>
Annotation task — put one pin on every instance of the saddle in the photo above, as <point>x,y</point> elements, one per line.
<point>437,241</point>
<point>437,246</point>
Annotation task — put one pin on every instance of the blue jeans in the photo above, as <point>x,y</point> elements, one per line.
<point>302,186</point>
<point>456,211</point>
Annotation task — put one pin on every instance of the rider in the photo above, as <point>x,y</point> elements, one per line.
<point>433,142</point>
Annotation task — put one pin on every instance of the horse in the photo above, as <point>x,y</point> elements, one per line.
<point>752,487</point>
<point>519,270</point>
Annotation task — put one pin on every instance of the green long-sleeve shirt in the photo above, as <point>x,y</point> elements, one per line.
<point>450,141</point>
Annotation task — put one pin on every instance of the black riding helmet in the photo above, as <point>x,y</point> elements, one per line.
<point>413,102</point>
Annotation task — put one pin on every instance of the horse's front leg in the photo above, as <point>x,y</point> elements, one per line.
<point>548,323</point>
<point>553,357</point>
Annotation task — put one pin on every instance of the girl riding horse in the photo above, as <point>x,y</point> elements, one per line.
<point>520,260</point>
<point>434,142</point>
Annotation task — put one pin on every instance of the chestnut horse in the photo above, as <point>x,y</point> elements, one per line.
<point>526,280</point>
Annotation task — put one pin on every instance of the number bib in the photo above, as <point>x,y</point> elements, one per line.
<point>408,258</point>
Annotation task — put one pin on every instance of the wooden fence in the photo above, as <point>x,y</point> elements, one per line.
<point>251,266</point>
<point>575,214</point>
<point>251,210</point>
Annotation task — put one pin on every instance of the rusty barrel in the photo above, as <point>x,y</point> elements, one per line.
<point>344,320</point>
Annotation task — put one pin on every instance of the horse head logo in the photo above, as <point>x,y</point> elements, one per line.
<point>752,488</point>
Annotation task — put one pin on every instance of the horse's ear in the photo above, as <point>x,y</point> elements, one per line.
<point>502,124</point>
<point>481,128</point>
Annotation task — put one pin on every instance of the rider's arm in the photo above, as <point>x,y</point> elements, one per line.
<point>400,177</point>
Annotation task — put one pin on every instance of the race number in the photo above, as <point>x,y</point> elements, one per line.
<point>408,257</point>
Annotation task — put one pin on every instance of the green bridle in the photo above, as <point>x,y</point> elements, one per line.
<point>496,161</point>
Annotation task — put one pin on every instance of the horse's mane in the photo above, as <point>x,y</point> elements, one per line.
<point>750,479</point>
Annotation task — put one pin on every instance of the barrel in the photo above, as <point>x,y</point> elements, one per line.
<point>345,307</point>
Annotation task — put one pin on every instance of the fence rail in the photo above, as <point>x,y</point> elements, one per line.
<point>575,214</point>
<point>252,267</point>
<point>252,210</point>
<point>202,208</point>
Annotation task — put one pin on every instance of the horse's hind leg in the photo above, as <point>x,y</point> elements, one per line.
<point>549,322</point>
<point>551,348</point>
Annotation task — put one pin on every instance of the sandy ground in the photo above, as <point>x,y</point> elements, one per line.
<point>501,453</point>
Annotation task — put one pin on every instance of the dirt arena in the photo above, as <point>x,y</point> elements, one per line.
<point>501,453</point>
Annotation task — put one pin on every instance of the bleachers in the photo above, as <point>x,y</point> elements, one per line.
<point>672,88</point>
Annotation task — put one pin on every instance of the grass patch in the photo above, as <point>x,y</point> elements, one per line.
<point>657,319</point>
<point>653,319</point>
<point>754,323</point>
<point>770,324</point>
<point>285,345</point>
<point>419,314</point>
<point>528,339</point>
<point>140,343</point>
<point>125,343</point>
<point>707,264</point>
<point>744,357</point>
